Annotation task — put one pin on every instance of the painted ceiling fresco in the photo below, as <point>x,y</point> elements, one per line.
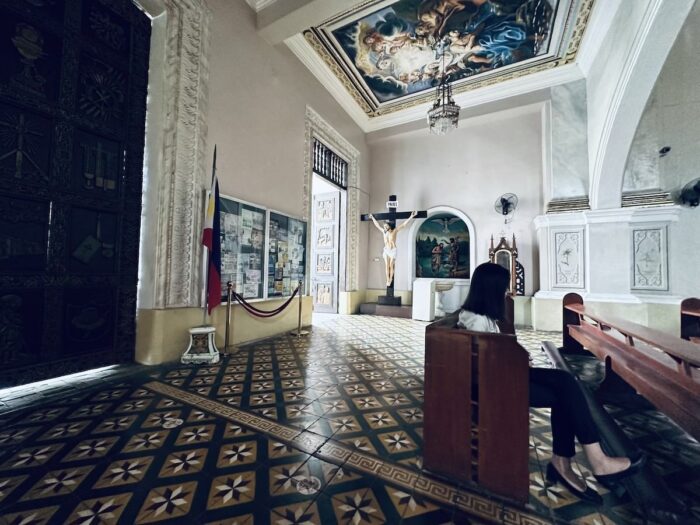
<point>389,52</point>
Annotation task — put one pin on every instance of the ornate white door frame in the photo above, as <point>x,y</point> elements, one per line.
<point>175,160</point>
<point>315,126</point>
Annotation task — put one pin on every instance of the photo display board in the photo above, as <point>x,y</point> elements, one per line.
<point>286,255</point>
<point>242,247</point>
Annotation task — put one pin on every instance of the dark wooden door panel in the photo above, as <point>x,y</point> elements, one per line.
<point>72,113</point>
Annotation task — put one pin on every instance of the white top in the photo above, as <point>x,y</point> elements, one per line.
<point>476,322</point>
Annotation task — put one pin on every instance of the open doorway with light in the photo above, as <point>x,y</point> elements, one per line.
<point>328,225</point>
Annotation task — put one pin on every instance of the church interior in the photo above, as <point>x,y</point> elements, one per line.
<point>237,238</point>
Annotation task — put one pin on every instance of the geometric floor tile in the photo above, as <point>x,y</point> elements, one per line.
<point>39,516</point>
<point>321,429</point>
<point>167,503</point>
<point>58,483</point>
<point>105,510</point>
<point>124,472</point>
<point>183,462</point>
<point>232,489</point>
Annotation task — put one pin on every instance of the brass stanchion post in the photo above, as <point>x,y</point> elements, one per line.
<point>299,332</point>
<point>229,289</point>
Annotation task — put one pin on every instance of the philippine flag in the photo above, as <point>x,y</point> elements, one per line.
<point>212,240</point>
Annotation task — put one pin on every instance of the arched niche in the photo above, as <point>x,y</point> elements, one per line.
<point>434,212</point>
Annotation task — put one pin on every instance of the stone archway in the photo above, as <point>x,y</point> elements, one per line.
<point>413,233</point>
<point>628,100</point>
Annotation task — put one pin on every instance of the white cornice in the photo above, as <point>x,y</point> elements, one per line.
<point>633,215</point>
<point>527,84</point>
<point>259,5</point>
<point>611,297</point>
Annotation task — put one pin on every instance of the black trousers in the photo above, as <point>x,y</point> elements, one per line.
<point>557,389</point>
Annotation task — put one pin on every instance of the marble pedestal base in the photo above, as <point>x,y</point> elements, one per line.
<point>202,348</point>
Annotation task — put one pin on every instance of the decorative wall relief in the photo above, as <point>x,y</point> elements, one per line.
<point>97,168</point>
<point>324,238</point>
<point>93,241</point>
<point>649,259</point>
<point>102,92</point>
<point>324,294</point>
<point>23,235</point>
<point>324,264</point>
<point>568,261</point>
<point>25,145</point>
<point>31,59</point>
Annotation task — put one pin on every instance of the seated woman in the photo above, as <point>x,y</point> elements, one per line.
<point>549,388</point>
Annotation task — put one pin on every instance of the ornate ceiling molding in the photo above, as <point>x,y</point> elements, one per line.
<point>313,49</point>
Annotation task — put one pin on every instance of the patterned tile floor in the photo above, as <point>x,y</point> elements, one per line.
<point>323,429</point>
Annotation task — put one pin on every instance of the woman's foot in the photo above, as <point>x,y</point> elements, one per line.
<point>563,468</point>
<point>610,465</point>
<point>579,489</point>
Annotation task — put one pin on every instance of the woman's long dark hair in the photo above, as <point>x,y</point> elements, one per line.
<point>487,291</point>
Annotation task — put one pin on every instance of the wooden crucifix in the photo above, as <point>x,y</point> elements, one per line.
<point>389,231</point>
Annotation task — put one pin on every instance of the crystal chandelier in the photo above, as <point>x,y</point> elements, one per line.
<point>443,117</point>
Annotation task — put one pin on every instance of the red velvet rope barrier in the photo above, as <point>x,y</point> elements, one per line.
<point>261,313</point>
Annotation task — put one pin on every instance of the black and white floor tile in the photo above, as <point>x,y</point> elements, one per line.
<point>321,429</point>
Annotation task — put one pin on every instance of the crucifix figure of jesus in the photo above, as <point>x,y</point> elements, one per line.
<point>389,252</point>
<point>389,231</point>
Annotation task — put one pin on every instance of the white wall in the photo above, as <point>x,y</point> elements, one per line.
<point>467,169</point>
<point>257,101</point>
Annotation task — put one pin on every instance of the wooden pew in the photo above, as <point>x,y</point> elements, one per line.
<point>690,319</point>
<point>662,368</point>
<point>476,408</point>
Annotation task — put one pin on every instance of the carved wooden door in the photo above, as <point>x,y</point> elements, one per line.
<point>325,246</point>
<point>72,112</point>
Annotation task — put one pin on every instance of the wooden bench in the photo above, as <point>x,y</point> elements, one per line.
<point>690,319</point>
<point>476,408</point>
<point>662,368</point>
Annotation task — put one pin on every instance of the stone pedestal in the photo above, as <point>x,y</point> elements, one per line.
<point>389,299</point>
<point>202,348</point>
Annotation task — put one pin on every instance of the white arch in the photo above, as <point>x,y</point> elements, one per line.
<point>663,21</point>
<point>413,233</point>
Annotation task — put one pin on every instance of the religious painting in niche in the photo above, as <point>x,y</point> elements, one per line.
<point>442,248</point>
<point>97,165</point>
<point>286,256</point>
<point>93,241</point>
<point>89,319</point>
<point>25,145</point>
<point>23,235</point>
<point>397,49</point>
<point>242,247</point>
<point>31,57</point>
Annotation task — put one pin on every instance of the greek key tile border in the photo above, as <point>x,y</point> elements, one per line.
<point>329,450</point>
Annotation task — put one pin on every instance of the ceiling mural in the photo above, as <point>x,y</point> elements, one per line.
<point>391,55</point>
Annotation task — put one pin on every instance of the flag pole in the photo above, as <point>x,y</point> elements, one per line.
<point>208,254</point>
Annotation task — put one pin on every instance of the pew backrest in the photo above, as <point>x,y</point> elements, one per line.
<point>663,368</point>
<point>476,408</point>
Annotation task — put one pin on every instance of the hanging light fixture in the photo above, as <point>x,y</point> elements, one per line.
<point>443,117</point>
